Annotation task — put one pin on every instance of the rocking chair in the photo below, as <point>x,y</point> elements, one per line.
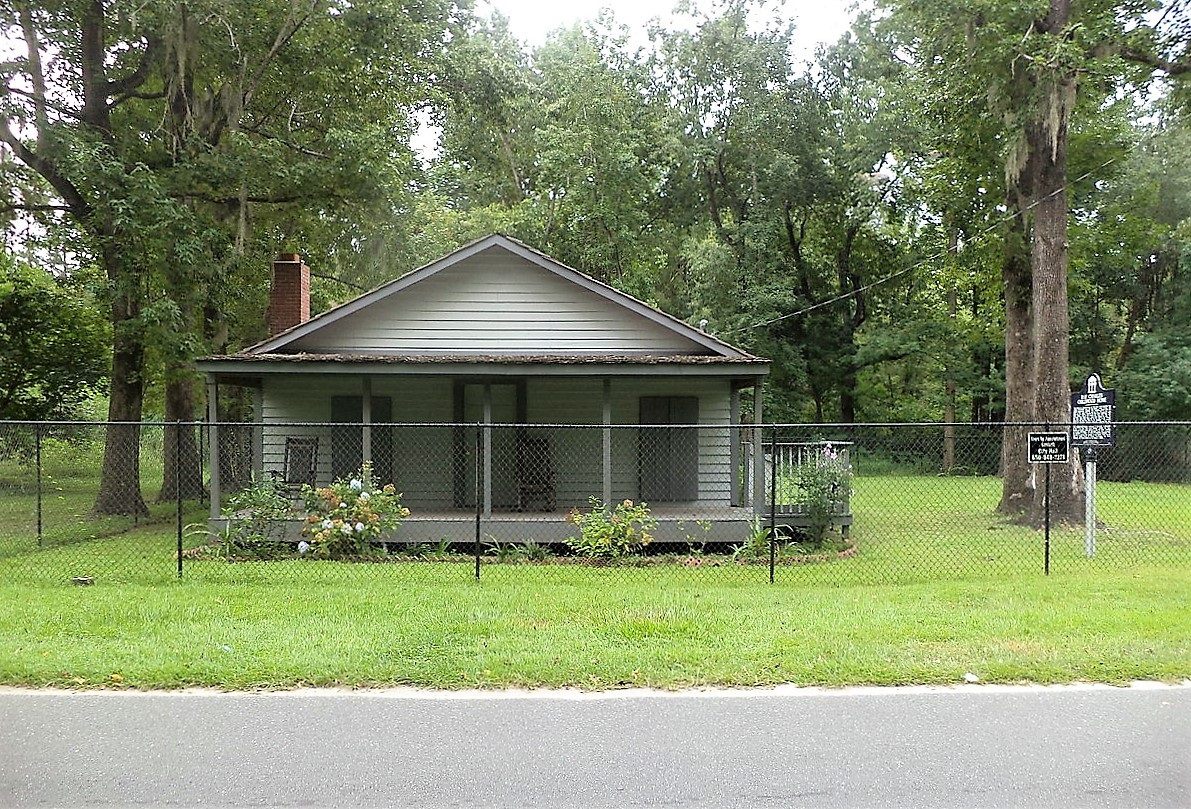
<point>535,474</point>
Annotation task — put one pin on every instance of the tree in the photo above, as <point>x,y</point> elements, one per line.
<point>162,126</point>
<point>560,146</point>
<point>1030,62</point>
<point>52,352</point>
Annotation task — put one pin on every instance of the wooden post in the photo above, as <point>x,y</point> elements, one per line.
<point>366,420</point>
<point>258,431</point>
<point>734,445</point>
<point>213,441</point>
<point>487,450</point>
<point>758,451</point>
<point>607,441</point>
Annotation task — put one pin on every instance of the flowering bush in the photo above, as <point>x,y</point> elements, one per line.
<point>612,532</point>
<point>343,518</point>
<point>824,483</point>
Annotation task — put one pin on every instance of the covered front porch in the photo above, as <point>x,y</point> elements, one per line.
<point>520,444</point>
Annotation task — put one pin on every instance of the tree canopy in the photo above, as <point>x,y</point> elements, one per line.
<point>953,213</point>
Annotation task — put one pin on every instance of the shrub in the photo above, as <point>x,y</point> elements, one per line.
<point>516,552</point>
<point>823,484</point>
<point>344,518</point>
<point>757,544</point>
<point>612,532</point>
<point>256,519</point>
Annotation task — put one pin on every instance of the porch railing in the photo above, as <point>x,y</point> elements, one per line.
<point>802,466</point>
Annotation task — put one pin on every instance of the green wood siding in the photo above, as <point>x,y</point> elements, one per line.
<point>423,458</point>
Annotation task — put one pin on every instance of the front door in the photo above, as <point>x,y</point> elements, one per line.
<point>668,458</point>
<point>347,443</point>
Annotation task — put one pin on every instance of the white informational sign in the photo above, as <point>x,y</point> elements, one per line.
<point>1093,417</point>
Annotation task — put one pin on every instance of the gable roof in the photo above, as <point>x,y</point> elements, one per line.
<point>535,257</point>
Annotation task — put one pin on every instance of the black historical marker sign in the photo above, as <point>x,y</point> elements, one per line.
<point>1093,411</point>
<point>1049,448</point>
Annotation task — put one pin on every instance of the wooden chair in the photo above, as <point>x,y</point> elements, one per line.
<point>535,473</point>
<point>301,461</point>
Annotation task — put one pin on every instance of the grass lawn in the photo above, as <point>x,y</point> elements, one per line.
<point>70,482</point>
<point>940,587</point>
<point>909,529</point>
<point>591,629</point>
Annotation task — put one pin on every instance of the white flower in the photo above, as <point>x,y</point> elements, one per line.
<point>357,484</point>
<point>328,524</point>
<point>359,527</point>
<point>343,505</point>
<point>347,530</point>
<point>365,497</point>
<point>303,546</point>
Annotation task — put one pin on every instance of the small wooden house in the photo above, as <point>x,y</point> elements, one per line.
<point>479,355</point>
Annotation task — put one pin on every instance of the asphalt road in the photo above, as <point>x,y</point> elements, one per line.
<point>1075,746</point>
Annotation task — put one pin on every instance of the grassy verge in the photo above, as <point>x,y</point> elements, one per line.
<point>586,629</point>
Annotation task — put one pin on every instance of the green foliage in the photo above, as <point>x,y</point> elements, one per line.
<point>442,551</point>
<point>1156,385</point>
<point>342,519</point>
<point>257,517</point>
<point>52,345</point>
<point>824,483</point>
<point>611,533</point>
<point>708,172</point>
<point>515,552</point>
<point>756,546</point>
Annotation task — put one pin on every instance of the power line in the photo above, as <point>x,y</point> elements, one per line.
<point>929,259</point>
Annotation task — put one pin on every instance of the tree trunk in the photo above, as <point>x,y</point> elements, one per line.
<point>1016,476</point>
<point>181,451</point>
<point>235,438</point>
<point>853,318</point>
<point>1138,306</point>
<point>120,477</point>
<point>1052,387</point>
<point>982,360</point>
<point>948,365</point>
<point>847,394</point>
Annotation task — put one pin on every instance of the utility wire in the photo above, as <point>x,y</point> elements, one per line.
<point>929,259</point>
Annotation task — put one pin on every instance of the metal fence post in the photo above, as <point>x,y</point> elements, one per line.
<point>772,501</point>
<point>136,484</point>
<point>37,452</point>
<point>178,487</point>
<point>1046,518</point>
<point>479,503</point>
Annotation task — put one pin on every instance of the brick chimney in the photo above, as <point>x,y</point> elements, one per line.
<point>289,297</point>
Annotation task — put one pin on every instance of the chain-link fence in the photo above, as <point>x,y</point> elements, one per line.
<point>829,504</point>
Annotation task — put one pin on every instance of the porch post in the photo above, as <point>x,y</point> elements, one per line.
<point>734,443</point>
<point>213,441</point>
<point>758,451</point>
<point>366,420</point>
<point>607,441</point>
<point>487,450</point>
<point>258,431</point>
